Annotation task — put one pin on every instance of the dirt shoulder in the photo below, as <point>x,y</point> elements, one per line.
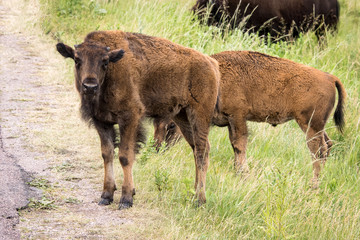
<point>42,135</point>
<point>14,190</point>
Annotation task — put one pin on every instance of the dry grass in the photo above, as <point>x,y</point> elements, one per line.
<point>69,151</point>
<point>274,201</point>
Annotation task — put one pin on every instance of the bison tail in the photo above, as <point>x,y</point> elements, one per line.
<point>339,112</point>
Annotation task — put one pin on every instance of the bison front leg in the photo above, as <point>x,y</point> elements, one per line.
<point>159,132</point>
<point>238,138</point>
<point>128,133</point>
<point>107,135</point>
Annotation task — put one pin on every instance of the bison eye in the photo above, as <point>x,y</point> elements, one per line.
<point>77,62</point>
<point>172,125</point>
<point>105,64</point>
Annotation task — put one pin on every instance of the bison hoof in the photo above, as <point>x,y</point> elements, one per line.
<point>125,205</point>
<point>199,203</point>
<point>105,201</point>
<point>315,183</point>
<point>243,170</point>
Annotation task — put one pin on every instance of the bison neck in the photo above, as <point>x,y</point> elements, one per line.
<point>92,110</point>
<point>87,108</point>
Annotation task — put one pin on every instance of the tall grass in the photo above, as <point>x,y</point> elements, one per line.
<point>275,201</point>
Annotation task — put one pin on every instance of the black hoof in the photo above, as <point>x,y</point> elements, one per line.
<point>198,204</point>
<point>125,206</point>
<point>125,203</point>
<point>105,201</point>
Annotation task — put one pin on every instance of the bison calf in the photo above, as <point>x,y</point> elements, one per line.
<point>257,87</point>
<point>123,77</point>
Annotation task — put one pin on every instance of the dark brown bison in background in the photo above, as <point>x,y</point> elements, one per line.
<point>257,87</point>
<point>123,77</point>
<point>275,17</point>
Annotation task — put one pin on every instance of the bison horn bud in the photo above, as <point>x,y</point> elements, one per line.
<point>107,48</point>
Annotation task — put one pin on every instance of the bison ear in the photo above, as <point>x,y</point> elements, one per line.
<point>116,55</point>
<point>65,50</point>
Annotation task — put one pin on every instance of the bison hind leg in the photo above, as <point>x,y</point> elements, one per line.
<point>328,143</point>
<point>319,151</point>
<point>318,148</point>
<point>195,130</point>
<point>312,123</point>
<point>140,137</point>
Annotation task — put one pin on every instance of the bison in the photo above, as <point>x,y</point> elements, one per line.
<point>276,18</point>
<point>165,130</point>
<point>124,77</point>
<point>257,87</point>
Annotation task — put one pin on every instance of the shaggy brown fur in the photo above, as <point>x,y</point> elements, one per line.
<point>123,77</point>
<point>257,87</point>
<point>276,17</point>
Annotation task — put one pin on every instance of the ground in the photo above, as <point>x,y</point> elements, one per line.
<point>51,182</point>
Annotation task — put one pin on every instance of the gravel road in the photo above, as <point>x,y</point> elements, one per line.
<point>18,68</point>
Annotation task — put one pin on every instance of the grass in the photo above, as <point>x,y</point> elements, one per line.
<point>275,200</point>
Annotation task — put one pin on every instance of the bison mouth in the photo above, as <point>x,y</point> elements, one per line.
<point>90,86</point>
<point>90,89</point>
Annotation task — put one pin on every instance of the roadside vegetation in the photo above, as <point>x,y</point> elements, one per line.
<point>275,201</point>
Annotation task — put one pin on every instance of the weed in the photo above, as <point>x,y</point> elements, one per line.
<point>43,203</point>
<point>40,183</point>
<point>187,190</point>
<point>147,151</point>
<point>162,180</point>
<point>72,200</point>
<point>64,166</point>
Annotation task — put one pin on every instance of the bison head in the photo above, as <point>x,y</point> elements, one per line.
<point>91,63</point>
<point>165,130</point>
